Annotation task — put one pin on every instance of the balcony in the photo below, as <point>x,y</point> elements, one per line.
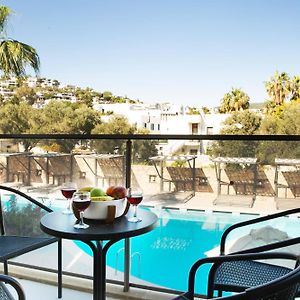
<point>183,183</point>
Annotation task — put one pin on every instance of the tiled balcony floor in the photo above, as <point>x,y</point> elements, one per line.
<point>36,291</point>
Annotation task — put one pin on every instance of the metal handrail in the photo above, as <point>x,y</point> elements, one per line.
<point>221,137</point>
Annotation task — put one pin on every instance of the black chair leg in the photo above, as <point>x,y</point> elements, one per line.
<point>59,268</point>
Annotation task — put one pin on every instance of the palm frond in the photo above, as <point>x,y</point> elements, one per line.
<point>5,12</point>
<point>16,56</point>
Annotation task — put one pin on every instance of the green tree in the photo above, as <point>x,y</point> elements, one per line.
<point>235,100</point>
<point>142,150</point>
<point>295,88</point>
<point>85,96</point>
<point>15,56</point>
<point>115,125</point>
<point>286,121</point>
<point>193,111</point>
<point>107,96</point>
<point>65,117</point>
<point>18,118</point>
<point>278,88</point>
<point>25,93</point>
<point>241,123</point>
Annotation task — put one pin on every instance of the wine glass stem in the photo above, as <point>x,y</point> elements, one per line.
<point>69,204</point>
<point>134,211</point>
<point>81,218</point>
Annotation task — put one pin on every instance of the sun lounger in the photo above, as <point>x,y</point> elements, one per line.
<point>287,179</point>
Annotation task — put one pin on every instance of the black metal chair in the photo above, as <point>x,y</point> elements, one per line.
<point>20,230</point>
<point>284,287</point>
<point>5,293</point>
<point>231,277</point>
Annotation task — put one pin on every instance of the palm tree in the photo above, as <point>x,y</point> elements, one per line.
<point>295,88</point>
<point>278,88</point>
<point>235,100</point>
<point>15,56</point>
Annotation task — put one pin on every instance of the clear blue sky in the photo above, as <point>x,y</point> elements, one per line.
<point>182,51</point>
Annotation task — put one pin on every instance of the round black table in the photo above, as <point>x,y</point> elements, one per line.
<point>61,225</point>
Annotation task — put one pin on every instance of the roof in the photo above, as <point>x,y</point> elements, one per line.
<point>236,160</point>
<point>100,156</point>
<point>173,158</point>
<point>287,161</point>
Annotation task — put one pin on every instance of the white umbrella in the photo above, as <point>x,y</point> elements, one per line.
<point>259,237</point>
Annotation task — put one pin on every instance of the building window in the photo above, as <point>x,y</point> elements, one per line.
<point>145,125</point>
<point>152,126</point>
<point>158,127</point>
<point>209,130</point>
<point>193,152</point>
<point>194,128</point>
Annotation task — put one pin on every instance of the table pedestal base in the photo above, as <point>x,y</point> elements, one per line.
<point>99,261</point>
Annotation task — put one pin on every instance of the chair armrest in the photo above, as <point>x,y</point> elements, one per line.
<point>15,284</point>
<point>253,221</point>
<point>44,207</point>
<point>230,258</point>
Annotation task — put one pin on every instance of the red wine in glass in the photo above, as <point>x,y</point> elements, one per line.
<point>81,201</point>
<point>68,192</point>
<point>81,205</point>
<point>68,189</point>
<point>135,199</point>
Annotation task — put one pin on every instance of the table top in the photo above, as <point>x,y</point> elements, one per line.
<point>61,225</point>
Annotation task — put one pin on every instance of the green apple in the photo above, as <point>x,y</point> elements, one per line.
<point>97,192</point>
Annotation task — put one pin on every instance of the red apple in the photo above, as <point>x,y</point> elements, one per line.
<point>110,190</point>
<point>119,192</point>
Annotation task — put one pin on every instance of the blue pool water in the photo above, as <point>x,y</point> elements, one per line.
<point>167,253</point>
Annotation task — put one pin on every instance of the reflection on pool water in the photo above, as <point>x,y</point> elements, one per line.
<point>164,256</point>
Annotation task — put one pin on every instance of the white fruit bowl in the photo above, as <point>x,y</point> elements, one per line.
<point>98,210</point>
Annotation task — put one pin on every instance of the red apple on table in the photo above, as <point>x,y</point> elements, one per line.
<point>118,192</point>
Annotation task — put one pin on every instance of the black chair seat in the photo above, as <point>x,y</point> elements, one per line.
<point>239,275</point>
<point>12,246</point>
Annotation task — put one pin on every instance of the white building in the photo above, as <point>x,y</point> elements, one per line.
<point>169,119</point>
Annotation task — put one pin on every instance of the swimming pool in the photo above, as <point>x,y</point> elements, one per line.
<point>164,256</point>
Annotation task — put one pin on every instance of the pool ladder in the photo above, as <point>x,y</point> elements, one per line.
<point>138,254</point>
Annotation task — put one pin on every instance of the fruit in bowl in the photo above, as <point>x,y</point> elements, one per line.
<point>117,192</point>
<point>103,203</point>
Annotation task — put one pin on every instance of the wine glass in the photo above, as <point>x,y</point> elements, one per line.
<point>134,197</point>
<point>81,201</point>
<point>68,189</point>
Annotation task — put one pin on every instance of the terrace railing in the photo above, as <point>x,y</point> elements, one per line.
<point>31,167</point>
